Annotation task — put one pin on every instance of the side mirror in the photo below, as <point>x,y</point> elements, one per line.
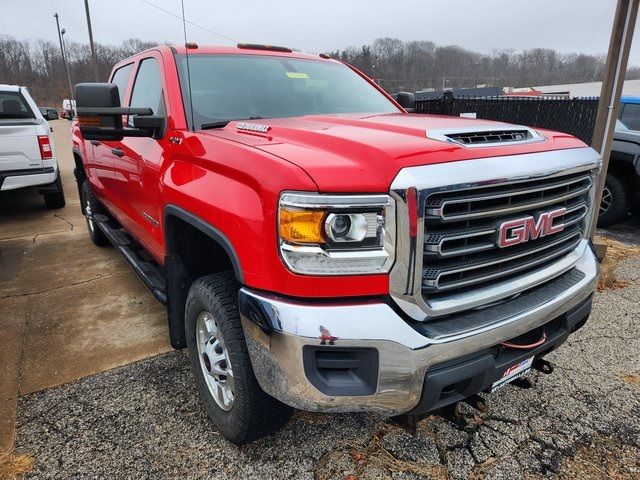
<point>100,114</point>
<point>407,100</point>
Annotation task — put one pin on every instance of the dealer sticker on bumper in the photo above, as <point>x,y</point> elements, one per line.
<point>513,372</point>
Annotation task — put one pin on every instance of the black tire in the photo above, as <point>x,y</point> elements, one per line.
<point>252,414</point>
<point>55,200</point>
<point>91,206</point>
<point>616,200</point>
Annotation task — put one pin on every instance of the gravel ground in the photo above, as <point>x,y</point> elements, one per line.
<point>144,420</point>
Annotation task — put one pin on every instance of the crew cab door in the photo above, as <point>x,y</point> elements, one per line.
<point>139,159</point>
<point>100,160</point>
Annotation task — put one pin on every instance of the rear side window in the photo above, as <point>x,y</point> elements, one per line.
<point>121,79</point>
<point>13,105</point>
<point>147,89</point>
<point>631,116</point>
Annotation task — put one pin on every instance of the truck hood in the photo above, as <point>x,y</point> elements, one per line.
<point>364,153</point>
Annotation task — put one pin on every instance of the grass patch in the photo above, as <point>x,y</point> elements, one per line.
<point>603,458</point>
<point>616,253</point>
<point>12,466</point>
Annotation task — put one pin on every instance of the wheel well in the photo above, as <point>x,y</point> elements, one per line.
<point>194,249</point>
<point>80,176</point>
<point>200,254</point>
<point>621,164</point>
<point>78,172</point>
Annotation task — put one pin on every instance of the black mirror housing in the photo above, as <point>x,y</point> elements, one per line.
<point>95,103</point>
<point>100,114</point>
<point>407,100</point>
<point>89,95</point>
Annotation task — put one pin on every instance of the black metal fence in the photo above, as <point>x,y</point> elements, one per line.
<point>575,116</point>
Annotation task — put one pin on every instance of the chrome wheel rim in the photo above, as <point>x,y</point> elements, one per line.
<point>89,215</point>
<point>214,361</point>
<point>606,200</point>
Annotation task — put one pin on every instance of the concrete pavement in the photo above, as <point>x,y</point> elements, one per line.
<point>67,308</point>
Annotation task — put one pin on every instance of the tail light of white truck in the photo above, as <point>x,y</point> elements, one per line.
<point>46,153</point>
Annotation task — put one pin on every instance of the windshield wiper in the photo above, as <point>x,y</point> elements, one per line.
<point>224,123</point>
<point>218,124</point>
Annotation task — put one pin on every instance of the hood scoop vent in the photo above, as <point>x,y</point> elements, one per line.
<point>501,136</point>
<point>487,136</point>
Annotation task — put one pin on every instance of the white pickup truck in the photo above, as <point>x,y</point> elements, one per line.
<point>27,156</point>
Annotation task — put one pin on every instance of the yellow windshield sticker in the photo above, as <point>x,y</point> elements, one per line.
<point>297,75</point>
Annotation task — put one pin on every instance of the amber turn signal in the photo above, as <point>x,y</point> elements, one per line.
<point>89,121</point>
<point>301,226</point>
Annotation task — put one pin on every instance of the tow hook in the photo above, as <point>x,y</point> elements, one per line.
<point>543,366</point>
<point>477,402</point>
<point>407,422</point>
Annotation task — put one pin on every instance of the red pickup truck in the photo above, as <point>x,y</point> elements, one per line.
<point>318,247</point>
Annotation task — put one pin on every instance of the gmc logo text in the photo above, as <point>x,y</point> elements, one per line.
<point>514,232</point>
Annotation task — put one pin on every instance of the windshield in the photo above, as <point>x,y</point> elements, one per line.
<point>233,87</point>
<point>13,105</point>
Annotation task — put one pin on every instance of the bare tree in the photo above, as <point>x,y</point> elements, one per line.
<point>399,65</point>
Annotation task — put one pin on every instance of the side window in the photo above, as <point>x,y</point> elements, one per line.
<point>121,79</point>
<point>147,89</point>
<point>631,116</point>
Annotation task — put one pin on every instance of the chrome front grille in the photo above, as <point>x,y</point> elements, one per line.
<point>501,200</point>
<point>461,229</point>
<point>448,224</point>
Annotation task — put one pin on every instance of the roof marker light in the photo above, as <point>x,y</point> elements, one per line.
<point>272,48</point>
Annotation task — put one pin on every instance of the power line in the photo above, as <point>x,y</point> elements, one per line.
<point>189,21</point>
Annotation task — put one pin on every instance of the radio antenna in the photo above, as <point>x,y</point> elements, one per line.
<point>186,52</point>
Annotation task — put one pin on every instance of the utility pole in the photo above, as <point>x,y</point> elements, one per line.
<point>64,57</point>
<point>64,46</point>
<point>616,66</point>
<point>94,60</point>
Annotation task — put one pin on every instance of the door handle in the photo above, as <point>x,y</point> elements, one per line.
<point>95,143</point>
<point>117,152</point>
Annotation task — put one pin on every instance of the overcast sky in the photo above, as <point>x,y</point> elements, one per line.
<point>324,25</point>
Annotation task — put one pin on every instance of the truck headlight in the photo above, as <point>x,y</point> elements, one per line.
<point>336,234</point>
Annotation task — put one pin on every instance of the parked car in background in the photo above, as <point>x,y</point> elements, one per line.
<point>621,192</point>
<point>27,155</point>
<point>629,112</point>
<point>68,109</point>
<point>49,113</point>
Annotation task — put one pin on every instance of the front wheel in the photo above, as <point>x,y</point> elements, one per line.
<point>615,202</point>
<point>91,206</point>
<point>221,366</point>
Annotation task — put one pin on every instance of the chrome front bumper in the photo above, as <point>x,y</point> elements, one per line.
<point>277,330</point>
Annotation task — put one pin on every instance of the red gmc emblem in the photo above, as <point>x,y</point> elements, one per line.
<point>524,229</point>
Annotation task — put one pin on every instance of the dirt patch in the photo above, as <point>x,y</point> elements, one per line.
<point>603,458</point>
<point>630,378</point>
<point>312,418</point>
<point>616,252</point>
<point>12,466</point>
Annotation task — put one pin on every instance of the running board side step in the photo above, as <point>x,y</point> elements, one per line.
<point>149,272</point>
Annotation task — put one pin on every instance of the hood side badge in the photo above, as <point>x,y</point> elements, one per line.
<point>253,127</point>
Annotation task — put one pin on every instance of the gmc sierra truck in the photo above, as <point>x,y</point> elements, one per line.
<point>320,248</point>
